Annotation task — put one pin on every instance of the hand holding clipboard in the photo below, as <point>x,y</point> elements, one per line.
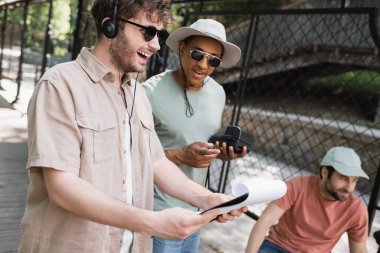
<point>251,192</point>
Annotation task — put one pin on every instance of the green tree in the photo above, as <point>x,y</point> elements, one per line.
<point>60,26</point>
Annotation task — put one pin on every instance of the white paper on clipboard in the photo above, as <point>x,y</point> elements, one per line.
<point>251,192</point>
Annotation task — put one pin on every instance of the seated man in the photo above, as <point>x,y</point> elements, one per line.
<point>315,212</point>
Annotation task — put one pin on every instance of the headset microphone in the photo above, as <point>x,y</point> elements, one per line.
<point>159,59</point>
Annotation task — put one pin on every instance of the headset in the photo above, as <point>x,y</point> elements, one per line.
<point>110,30</point>
<point>109,26</point>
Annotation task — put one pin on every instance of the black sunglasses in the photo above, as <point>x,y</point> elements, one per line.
<point>150,31</point>
<point>212,61</point>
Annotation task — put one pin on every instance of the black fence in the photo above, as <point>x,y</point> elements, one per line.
<point>308,80</point>
<point>27,53</point>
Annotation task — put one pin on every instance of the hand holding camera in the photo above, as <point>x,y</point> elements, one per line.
<point>199,154</point>
<point>234,142</point>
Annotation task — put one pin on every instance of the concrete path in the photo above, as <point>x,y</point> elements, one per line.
<point>13,155</point>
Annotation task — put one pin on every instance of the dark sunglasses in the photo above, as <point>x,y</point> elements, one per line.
<point>212,61</point>
<point>150,31</point>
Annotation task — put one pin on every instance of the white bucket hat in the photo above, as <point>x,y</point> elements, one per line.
<point>209,28</point>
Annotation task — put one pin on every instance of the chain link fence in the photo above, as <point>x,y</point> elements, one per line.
<point>308,80</point>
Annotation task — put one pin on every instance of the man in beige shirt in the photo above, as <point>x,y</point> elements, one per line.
<point>93,152</point>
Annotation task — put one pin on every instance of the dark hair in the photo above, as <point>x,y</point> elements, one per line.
<point>129,8</point>
<point>330,171</point>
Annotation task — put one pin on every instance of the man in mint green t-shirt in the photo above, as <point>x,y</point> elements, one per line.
<point>187,107</point>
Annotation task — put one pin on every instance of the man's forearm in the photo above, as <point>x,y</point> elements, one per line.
<point>174,155</point>
<point>270,215</point>
<point>256,238</point>
<point>358,247</point>
<point>174,182</point>
<point>77,196</point>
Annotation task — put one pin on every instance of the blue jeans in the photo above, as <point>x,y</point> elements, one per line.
<point>189,245</point>
<point>270,247</point>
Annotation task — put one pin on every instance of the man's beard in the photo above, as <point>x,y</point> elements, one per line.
<point>334,193</point>
<point>336,196</point>
<point>122,55</point>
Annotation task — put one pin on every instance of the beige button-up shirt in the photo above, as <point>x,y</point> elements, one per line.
<point>76,123</point>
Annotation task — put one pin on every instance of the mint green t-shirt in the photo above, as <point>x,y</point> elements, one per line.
<point>176,130</point>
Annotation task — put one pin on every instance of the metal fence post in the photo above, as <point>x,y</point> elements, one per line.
<point>374,199</point>
<point>77,33</point>
<point>3,27</point>
<point>242,82</point>
<point>23,39</point>
<point>47,41</point>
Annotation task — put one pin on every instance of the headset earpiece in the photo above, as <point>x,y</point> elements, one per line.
<point>109,26</point>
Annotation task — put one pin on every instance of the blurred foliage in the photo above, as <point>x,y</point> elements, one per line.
<point>37,19</point>
<point>356,81</point>
<point>65,14</point>
<point>63,23</point>
<point>87,32</point>
<point>60,26</point>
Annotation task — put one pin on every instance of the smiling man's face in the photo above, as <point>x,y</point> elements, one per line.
<point>129,49</point>
<point>197,71</point>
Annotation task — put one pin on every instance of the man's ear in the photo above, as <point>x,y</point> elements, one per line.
<point>181,48</point>
<point>324,172</point>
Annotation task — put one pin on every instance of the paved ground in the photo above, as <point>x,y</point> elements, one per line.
<point>13,176</point>
<point>216,238</point>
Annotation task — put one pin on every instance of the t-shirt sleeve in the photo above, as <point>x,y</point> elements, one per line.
<point>358,232</point>
<point>157,150</point>
<point>156,147</point>
<point>149,86</point>
<point>222,103</point>
<point>147,89</point>
<point>294,187</point>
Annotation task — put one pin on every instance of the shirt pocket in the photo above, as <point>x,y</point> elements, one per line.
<point>147,124</point>
<point>147,127</point>
<point>99,137</point>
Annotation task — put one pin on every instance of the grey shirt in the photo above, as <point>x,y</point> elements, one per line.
<point>176,130</point>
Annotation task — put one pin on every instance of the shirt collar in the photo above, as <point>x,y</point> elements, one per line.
<point>95,69</point>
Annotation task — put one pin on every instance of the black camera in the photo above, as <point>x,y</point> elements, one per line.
<point>233,136</point>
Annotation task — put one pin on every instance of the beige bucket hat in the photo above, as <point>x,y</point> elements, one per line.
<point>209,28</point>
